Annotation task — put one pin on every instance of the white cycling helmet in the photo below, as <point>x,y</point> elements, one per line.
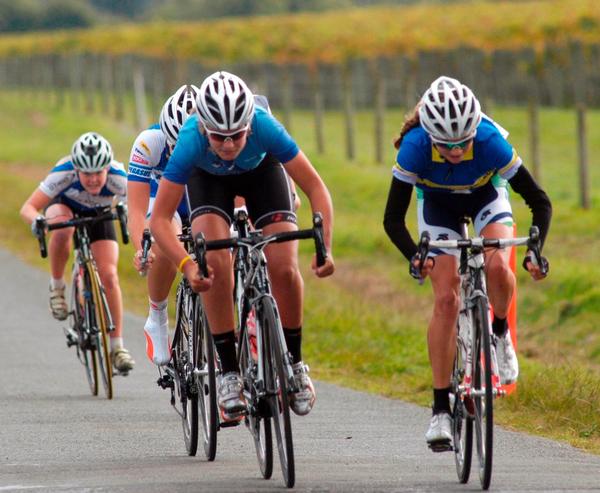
<point>449,111</point>
<point>176,110</point>
<point>91,153</point>
<point>225,104</point>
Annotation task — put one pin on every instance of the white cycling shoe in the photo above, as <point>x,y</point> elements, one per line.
<point>439,434</point>
<point>157,341</point>
<point>508,365</point>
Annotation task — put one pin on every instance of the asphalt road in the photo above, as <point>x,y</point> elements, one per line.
<point>55,436</point>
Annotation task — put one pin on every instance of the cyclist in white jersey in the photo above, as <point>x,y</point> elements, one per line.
<point>87,179</point>
<point>232,147</point>
<point>459,161</point>
<point>149,156</point>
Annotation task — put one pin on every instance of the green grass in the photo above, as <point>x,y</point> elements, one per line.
<point>365,326</point>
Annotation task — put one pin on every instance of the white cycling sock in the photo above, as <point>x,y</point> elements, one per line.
<point>57,283</point>
<point>156,332</point>
<point>116,342</point>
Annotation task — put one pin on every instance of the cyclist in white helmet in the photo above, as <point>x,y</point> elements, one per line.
<point>149,156</point>
<point>459,161</point>
<point>230,148</point>
<point>87,179</point>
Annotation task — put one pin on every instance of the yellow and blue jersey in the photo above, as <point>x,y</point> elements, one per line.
<point>419,163</point>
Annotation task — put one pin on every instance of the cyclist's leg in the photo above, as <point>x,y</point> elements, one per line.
<point>59,249</point>
<point>500,278</point>
<point>211,203</point>
<point>106,255</point>
<point>441,333</point>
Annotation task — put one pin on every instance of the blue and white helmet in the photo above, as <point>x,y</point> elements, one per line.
<point>449,111</point>
<point>91,153</point>
<point>175,111</point>
<point>225,104</point>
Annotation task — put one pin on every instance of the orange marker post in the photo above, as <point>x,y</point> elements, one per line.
<point>512,310</point>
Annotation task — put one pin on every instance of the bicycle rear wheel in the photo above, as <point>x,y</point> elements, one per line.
<point>277,387</point>
<point>462,422</point>
<point>183,357</point>
<point>80,326</point>
<point>484,397</point>
<point>100,310</point>
<point>205,381</point>
<point>258,419</point>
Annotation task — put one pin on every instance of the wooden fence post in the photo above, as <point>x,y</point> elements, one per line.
<point>583,156</point>
<point>534,139</point>
<point>379,107</point>
<point>139,91</point>
<point>286,97</point>
<point>348,110</point>
<point>318,109</point>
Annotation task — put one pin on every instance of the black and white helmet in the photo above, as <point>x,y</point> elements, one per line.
<point>449,111</point>
<point>176,110</point>
<point>225,104</point>
<point>91,153</point>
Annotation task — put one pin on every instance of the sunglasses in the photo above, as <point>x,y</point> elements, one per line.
<point>454,145</point>
<point>219,137</point>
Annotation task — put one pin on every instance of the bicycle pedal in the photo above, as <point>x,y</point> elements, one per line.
<point>166,382</point>
<point>443,446</point>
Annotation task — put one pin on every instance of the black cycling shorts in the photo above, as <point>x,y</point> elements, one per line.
<point>102,230</point>
<point>266,190</point>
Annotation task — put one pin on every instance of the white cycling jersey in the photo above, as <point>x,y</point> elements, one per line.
<point>148,159</point>
<point>63,182</point>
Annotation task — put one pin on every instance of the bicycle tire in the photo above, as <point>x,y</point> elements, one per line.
<point>484,402</point>
<point>100,310</point>
<point>204,369</point>
<point>86,356</point>
<point>183,354</point>
<point>277,387</point>
<point>462,423</point>
<point>258,420</point>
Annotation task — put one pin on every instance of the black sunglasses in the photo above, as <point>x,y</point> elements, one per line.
<point>223,137</point>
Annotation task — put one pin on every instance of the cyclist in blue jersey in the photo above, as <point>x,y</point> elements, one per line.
<point>459,161</point>
<point>148,159</point>
<point>230,148</point>
<point>88,179</point>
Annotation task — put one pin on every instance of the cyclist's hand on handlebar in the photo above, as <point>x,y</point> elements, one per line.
<point>197,282</point>
<point>35,225</point>
<point>137,261</point>
<point>534,269</point>
<point>419,271</point>
<point>326,269</point>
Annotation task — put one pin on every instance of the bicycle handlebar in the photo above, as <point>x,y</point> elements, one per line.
<point>119,213</point>
<point>201,246</point>
<point>146,245</point>
<point>532,241</point>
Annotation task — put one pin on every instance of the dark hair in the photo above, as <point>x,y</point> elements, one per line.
<point>411,120</point>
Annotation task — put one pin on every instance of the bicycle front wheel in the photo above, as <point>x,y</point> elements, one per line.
<point>483,392</point>
<point>206,387</point>
<point>99,309</point>
<point>183,363</point>
<point>258,419</point>
<point>462,421</point>
<point>81,327</point>
<point>276,376</point>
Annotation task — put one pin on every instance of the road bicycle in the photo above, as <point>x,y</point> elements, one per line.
<point>264,361</point>
<point>191,372</point>
<point>90,320</point>
<point>475,378</point>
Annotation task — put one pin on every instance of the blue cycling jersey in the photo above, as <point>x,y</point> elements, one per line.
<point>419,163</point>
<point>266,135</point>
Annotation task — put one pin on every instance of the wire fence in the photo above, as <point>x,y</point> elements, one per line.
<point>567,76</point>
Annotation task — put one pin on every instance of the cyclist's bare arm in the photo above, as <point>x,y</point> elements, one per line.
<point>167,199</point>
<point>138,198</point>
<point>36,202</point>
<point>306,177</point>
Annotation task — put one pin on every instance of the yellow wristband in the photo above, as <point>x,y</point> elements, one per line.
<point>182,263</point>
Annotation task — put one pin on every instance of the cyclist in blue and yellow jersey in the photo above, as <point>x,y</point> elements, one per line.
<point>82,182</point>
<point>149,156</point>
<point>459,161</point>
<point>230,148</point>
